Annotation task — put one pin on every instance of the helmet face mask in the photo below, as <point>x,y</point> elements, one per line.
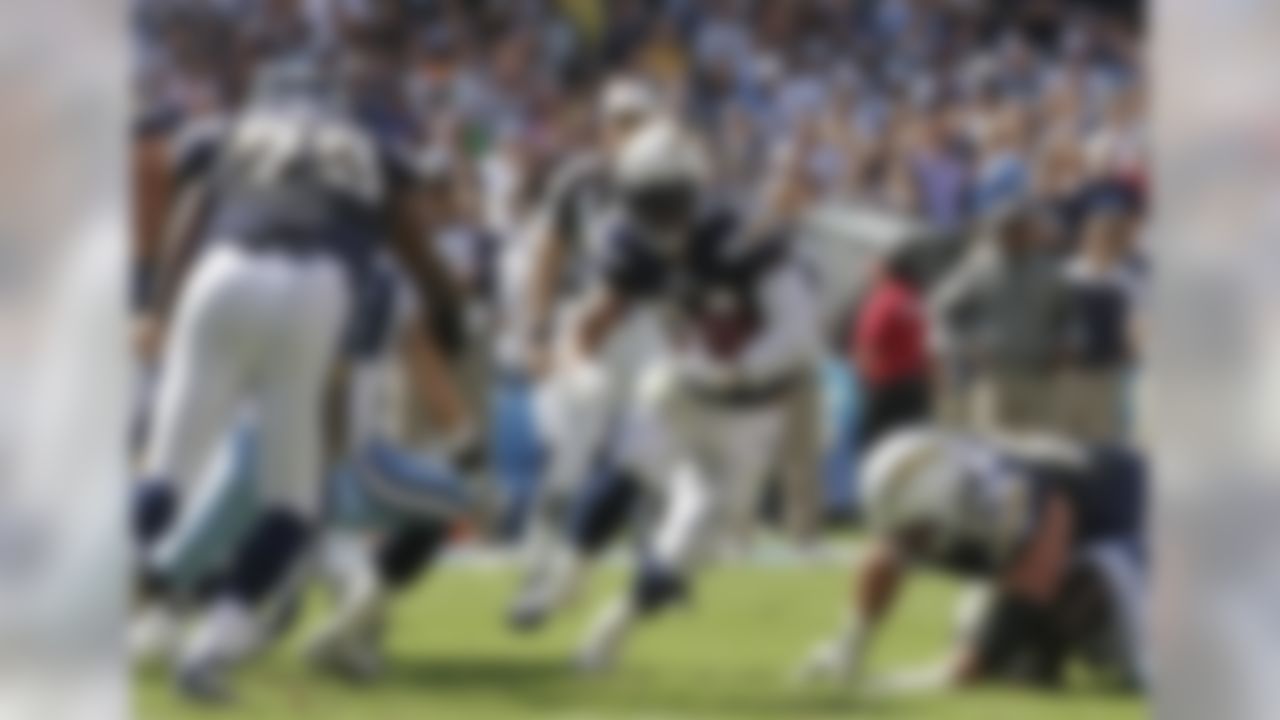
<point>663,207</point>
<point>660,171</point>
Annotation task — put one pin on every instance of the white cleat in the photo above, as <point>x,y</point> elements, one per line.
<point>534,602</point>
<point>154,635</point>
<point>546,590</point>
<point>353,654</point>
<point>349,644</point>
<point>829,661</point>
<point>593,661</point>
<point>605,640</point>
<point>204,682</point>
<point>226,634</point>
<point>359,662</point>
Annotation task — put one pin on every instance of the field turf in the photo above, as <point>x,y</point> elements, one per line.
<point>727,655</point>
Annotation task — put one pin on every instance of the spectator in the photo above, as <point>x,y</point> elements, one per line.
<point>1102,288</point>
<point>1001,314</point>
<point>889,351</point>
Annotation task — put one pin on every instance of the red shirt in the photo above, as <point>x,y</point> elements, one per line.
<point>889,335</point>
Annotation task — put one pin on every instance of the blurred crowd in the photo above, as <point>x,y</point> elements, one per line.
<point>1021,121</point>
<point>935,109</point>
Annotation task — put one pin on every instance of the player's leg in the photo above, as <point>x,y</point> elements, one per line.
<point>203,373</point>
<point>191,556</point>
<point>576,410</point>
<point>600,513</point>
<point>293,373</point>
<point>365,571</point>
<point>637,456</point>
<point>392,512</point>
<point>680,539</point>
<point>205,370</point>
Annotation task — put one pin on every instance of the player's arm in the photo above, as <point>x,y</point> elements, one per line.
<point>179,243</point>
<point>185,188</point>
<point>440,335</point>
<point>1026,590</point>
<point>606,307</point>
<point>437,291</point>
<point>629,275</point>
<point>175,254</point>
<point>152,184</point>
<point>437,388</point>
<point>550,254</point>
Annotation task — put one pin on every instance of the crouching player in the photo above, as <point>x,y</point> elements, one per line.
<point>1056,536</point>
<point>711,410</point>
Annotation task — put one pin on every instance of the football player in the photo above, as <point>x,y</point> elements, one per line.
<point>742,335</point>
<point>577,412</point>
<point>286,204</point>
<point>1055,533</point>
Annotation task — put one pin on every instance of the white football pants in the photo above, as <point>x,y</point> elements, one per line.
<point>253,331</point>
<point>710,463</point>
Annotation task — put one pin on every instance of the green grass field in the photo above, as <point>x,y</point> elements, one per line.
<point>726,656</point>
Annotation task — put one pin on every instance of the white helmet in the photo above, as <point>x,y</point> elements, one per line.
<point>911,479</point>
<point>661,154</point>
<point>628,97</point>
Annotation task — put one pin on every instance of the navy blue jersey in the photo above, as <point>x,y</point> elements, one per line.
<point>717,256</point>
<point>297,178</point>
<point>1107,495</point>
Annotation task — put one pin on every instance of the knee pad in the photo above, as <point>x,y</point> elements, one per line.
<point>656,588</point>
